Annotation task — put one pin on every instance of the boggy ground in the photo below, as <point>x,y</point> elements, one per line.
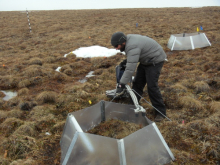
<point>189,82</point>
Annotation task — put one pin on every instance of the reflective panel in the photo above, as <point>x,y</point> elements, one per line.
<point>187,41</point>
<point>67,136</point>
<point>89,117</point>
<point>124,112</point>
<point>200,41</point>
<point>145,147</point>
<point>94,150</point>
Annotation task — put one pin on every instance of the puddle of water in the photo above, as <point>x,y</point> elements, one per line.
<point>9,94</point>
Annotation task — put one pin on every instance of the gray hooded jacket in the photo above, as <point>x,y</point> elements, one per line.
<point>141,49</point>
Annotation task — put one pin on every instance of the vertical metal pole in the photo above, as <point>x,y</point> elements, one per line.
<point>121,151</point>
<point>28,21</point>
<point>102,103</point>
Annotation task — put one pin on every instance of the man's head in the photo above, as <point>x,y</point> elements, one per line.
<point>118,41</point>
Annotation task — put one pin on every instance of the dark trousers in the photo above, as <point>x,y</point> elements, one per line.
<point>149,74</point>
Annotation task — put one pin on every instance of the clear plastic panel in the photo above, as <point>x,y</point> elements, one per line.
<point>92,149</point>
<point>170,42</point>
<point>124,112</point>
<point>142,147</point>
<point>182,43</point>
<point>200,41</point>
<point>89,117</point>
<point>145,147</point>
<point>67,136</point>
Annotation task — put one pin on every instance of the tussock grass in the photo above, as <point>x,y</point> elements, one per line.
<point>27,129</point>
<point>36,61</point>
<point>18,146</point>
<point>68,72</point>
<point>51,66</point>
<point>60,77</point>
<point>58,127</point>
<point>13,102</point>
<point>215,107</point>
<point>88,87</point>
<point>3,115</point>
<point>201,86</point>
<point>82,94</point>
<point>45,123</point>
<point>39,111</point>
<point>96,61</point>
<point>178,88</point>
<point>23,91</point>
<point>50,59</point>
<point>191,103</point>
<point>33,71</point>
<point>24,83</point>
<point>8,82</point>
<point>2,104</point>
<point>73,88</point>
<point>71,56</point>
<point>28,161</point>
<point>47,97</point>
<point>15,113</point>
<point>10,125</point>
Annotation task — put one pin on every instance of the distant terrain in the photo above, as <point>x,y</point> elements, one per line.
<point>31,123</point>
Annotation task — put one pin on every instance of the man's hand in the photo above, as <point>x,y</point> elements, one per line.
<point>120,90</point>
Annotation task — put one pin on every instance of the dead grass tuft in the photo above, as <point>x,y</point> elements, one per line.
<point>23,91</point>
<point>18,146</point>
<point>39,111</point>
<point>60,77</point>
<point>50,59</point>
<point>15,113</point>
<point>27,129</point>
<point>3,115</point>
<point>71,56</point>
<point>96,61</point>
<point>28,161</point>
<point>68,72</point>
<point>189,102</point>
<point>8,82</point>
<point>178,88</point>
<point>36,61</point>
<point>82,94</point>
<point>24,83</point>
<point>201,86</point>
<point>215,107</point>
<point>47,97</point>
<point>33,71</point>
<point>14,101</point>
<point>58,127</point>
<point>45,123</point>
<point>73,88</point>
<point>10,125</point>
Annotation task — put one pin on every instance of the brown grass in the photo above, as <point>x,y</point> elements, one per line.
<point>191,103</point>
<point>189,81</point>
<point>47,97</point>
<point>201,86</point>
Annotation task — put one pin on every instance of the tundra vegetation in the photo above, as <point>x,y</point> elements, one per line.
<point>31,123</point>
